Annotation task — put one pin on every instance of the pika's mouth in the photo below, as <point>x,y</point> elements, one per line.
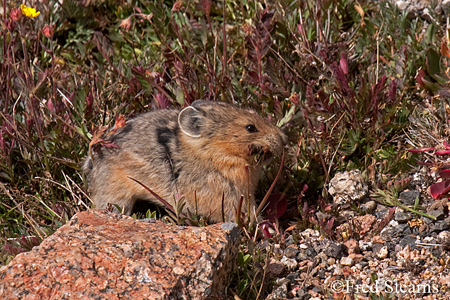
<point>260,154</point>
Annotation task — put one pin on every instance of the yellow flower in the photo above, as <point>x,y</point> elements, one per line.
<point>29,11</point>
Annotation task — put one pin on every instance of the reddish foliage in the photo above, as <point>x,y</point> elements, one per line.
<point>89,103</point>
<point>442,152</point>
<point>97,140</point>
<point>440,189</point>
<point>421,150</point>
<point>120,122</point>
<point>444,174</point>
<point>445,50</point>
<point>276,207</point>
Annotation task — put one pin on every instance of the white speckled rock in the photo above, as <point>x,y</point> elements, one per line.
<point>347,187</point>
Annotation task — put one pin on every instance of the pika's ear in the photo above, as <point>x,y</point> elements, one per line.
<point>191,121</point>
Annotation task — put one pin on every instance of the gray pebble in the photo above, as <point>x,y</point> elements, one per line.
<point>402,217</point>
<point>409,197</point>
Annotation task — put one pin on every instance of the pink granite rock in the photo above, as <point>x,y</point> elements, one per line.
<point>101,255</point>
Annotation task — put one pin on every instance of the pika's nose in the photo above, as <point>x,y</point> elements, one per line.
<point>276,142</point>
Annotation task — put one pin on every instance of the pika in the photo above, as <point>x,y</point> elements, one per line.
<point>200,152</point>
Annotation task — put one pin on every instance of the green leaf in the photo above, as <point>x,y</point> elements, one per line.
<point>433,61</point>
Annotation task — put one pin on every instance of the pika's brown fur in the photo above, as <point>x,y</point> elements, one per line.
<point>200,152</point>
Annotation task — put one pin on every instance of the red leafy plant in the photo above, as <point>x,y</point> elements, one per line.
<point>19,245</point>
<point>440,188</point>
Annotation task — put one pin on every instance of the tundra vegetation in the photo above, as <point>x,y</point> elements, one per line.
<point>355,84</point>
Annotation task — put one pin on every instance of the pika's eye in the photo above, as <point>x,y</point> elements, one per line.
<point>251,128</point>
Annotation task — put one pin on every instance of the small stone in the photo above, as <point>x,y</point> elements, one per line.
<point>275,267</point>
<point>364,263</point>
<point>388,233</point>
<point>402,5</point>
<point>383,253</point>
<point>303,246</point>
<point>366,223</point>
<point>437,213</point>
<point>365,246</point>
<point>377,240</point>
<point>318,248</point>
<point>352,246</point>
<point>346,261</point>
<point>447,220</point>
<point>429,239</point>
<point>290,240</point>
<point>308,233</point>
<point>369,256</point>
<point>302,256</point>
<point>402,217</point>
<point>290,263</point>
<point>377,247</point>
<point>310,252</point>
<point>322,274</point>
<point>404,254</point>
<point>356,257</point>
<point>347,187</point>
<point>322,257</point>
<point>408,240</point>
<point>439,204</point>
<point>337,271</point>
<point>348,214</point>
<point>335,250</point>
<point>444,236</point>
<point>300,294</point>
<point>291,251</point>
<point>440,226</point>
<point>368,207</point>
<point>331,261</point>
<point>148,220</point>
<point>280,281</point>
<point>381,213</point>
<point>402,229</point>
<point>279,293</point>
<point>408,197</point>
<point>394,229</point>
<point>373,263</point>
<point>293,276</point>
<point>423,230</point>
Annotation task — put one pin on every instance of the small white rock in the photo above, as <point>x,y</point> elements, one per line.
<point>290,263</point>
<point>402,5</point>
<point>303,246</point>
<point>347,187</point>
<point>346,261</point>
<point>365,246</point>
<point>310,233</point>
<point>383,253</point>
<point>444,235</point>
